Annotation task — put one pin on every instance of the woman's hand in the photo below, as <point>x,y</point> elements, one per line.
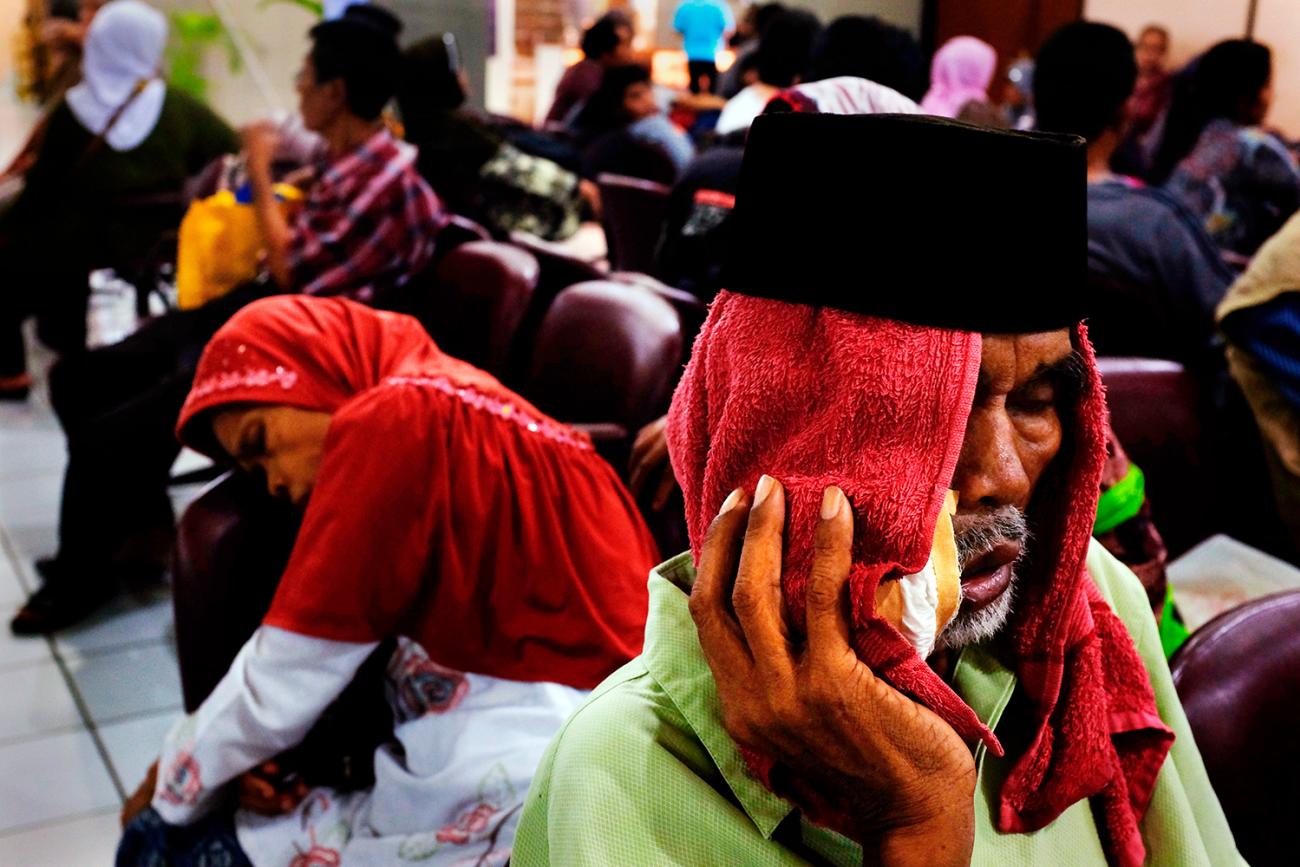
<point>900,774</point>
<point>143,796</point>
<point>259,141</point>
<point>650,468</point>
<point>265,790</point>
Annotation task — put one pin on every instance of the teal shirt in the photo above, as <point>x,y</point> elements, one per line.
<point>644,772</point>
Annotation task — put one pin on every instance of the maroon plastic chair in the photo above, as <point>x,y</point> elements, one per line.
<point>605,358</point>
<point>479,295</point>
<point>1238,677</point>
<point>633,214</point>
<point>691,311</point>
<point>1155,412</point>
<point>232,544</point>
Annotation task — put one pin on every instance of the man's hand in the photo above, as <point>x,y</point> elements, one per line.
<point>143,796</point>
<point>901,775</point>
<point>259,142</point>
<point>649,468</point>
<point>264,790</point>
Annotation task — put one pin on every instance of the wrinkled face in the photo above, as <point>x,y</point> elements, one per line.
<point>1015,430</point>
<point>318,102</point>
<point>281,443</point>
<point>1152,49</point>
<point>639,101</point>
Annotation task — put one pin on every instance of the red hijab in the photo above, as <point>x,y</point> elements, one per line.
<point>446,507</point>
<point>816,396</point>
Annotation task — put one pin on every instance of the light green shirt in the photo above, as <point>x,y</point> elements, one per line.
<point>644,772</point>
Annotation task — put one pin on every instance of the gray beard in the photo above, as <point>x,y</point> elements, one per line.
<point>973,627</point>
<point>976,536</point>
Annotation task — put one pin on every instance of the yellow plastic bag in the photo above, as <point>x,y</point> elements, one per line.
<point>220,246</point>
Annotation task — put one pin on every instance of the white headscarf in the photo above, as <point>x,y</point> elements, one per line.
<point>850,95</point>
<point>124,47</point>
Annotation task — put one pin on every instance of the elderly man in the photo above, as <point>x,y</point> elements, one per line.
<point>805,693</point>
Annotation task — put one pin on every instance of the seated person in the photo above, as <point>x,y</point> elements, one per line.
<point>867,47</point>
<point>1215,156</point>
<point>1260,318</point>
<point>1139,237</point>
<point>120,133</point>
<point>744,44</point>
<point>784,53</point>
<point>367,224</point>
<point>499,548</point>
<point>696,229</point>
<point>606,43</point>
<point>961,72</point>
<point>473,170</point>
<point>622,129</point>
<point>838,712</point>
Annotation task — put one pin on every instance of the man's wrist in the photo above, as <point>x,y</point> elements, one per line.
<point>946,840</point>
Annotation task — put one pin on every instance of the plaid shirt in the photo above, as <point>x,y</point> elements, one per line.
<point>367,225</point>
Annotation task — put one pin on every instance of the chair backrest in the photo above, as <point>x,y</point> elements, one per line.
<point>1155,412</point>
<point>459,230</point>
<point>232,545</point>
<point>1238,677</point>
<point>478,298</point>
<point>605,353</point>
<point>691,311</point>
<point>634,211</point>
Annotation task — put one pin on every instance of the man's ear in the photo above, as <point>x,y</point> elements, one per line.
<point>336,94</point>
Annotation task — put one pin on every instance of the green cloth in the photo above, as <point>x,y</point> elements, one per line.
<point>1173,632</point>
<point>644,772</point>
<point>1121,501</point>
<point>66,210</point>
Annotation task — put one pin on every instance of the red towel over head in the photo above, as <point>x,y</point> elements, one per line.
<point>816,396</point>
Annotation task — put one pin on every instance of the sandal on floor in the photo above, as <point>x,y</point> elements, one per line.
<point>61,603</point>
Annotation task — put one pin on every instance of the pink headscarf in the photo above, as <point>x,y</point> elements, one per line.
<point>962,71</point>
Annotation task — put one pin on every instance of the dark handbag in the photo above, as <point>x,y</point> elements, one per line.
<point>339,751</point>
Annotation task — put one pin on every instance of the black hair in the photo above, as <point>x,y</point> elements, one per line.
<point>785,47</point>
<point>429,82</point>
<point>602,37</point>
<point>1083,76</point>
<point>359,48</point>
<point>604,109</point>
<point>1156,28</point>
<point>1224,82</point>
<point>866,47</point>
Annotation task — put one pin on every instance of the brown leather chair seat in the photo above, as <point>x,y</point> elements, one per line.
<point>479,295</point>
<point>1238,677</point>
<point>606,357</point>
<point>633,214</point>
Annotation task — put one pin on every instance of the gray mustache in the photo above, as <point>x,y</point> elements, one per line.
<point>981,533</point>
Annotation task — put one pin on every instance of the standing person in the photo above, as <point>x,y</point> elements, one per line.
<point>702,25</point>
<point>492,542</point>
<point>829,420</point>
<point>961,73</point>
<point>1216,158</point>
<point>1151,93</point>
<point>606,43</point>
<point>366,225</point>
<point>1140,238</point>
<point>119,133</point>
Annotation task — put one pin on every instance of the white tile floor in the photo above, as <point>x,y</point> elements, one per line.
<point>81,716</point>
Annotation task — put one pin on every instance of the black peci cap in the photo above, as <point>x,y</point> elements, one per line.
<point>910,217</point>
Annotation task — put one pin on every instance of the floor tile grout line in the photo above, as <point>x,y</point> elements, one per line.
<point>91,728</point>
<point>19,740</point>
<point>54,823</point>
<point>14,561</point>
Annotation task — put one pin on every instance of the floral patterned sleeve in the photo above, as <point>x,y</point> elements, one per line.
<point>276,688</point>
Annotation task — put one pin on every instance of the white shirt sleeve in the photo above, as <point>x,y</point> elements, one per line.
<point>276,689</point>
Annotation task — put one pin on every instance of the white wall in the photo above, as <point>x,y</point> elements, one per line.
<point>1195,27</point>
